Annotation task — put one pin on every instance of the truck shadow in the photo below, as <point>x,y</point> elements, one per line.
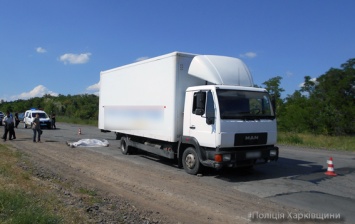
<point>284,167</point>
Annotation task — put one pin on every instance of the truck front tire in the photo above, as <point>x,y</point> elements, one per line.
<point>124,146</point>
<point>190,161</point>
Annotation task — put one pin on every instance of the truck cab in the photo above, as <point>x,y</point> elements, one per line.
<point>229,126</point>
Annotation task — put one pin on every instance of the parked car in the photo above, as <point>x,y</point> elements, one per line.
<point>2,115</point>
<point>44,119</point>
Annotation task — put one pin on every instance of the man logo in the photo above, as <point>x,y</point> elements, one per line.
<point>251,137</point>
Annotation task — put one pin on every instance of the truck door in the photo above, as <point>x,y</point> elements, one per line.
<point>202,120</point>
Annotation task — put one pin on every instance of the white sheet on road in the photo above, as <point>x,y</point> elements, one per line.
<point>89,143</point>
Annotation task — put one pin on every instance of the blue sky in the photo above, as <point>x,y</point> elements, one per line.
<point>60,47</point>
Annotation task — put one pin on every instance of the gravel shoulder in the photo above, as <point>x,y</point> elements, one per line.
<point>132,192</point>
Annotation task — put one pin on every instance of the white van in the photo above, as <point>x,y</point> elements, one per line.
<point>45,121</point>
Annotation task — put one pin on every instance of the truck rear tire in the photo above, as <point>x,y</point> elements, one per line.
<point>190,161</point>
<point>125,148</point>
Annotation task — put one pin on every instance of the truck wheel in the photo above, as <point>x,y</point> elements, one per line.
<point>124,146</point>
<point>25,125</point>
<point>190,161</point>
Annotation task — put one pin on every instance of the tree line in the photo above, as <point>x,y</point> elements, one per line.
<point>325,105</point>
<point>83,106</point>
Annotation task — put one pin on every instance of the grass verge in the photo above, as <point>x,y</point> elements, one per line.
<point>23,199</point>
<point>74,120</point>
<point>17,206</point>
<point>344,143</point>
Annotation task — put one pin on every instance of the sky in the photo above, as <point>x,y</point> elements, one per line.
<point>60,47</point>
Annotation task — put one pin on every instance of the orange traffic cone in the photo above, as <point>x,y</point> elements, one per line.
<point>330,171</point>
<point>79,131</point>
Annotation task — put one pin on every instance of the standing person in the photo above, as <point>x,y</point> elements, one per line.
<point>36,127</point>
<point>8,119</point>
<point>17,120</point>
<point>11,123</point>
<point>53,121</point>
<point>6,130</point>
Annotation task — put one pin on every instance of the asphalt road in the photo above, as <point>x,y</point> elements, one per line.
<point>297,179</point>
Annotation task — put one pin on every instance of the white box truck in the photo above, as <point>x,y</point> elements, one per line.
<point>199,109</point>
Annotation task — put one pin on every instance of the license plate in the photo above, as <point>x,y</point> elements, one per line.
<point>253,155</point>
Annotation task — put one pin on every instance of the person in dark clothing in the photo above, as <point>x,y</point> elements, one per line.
<point>12,134</point>
<point>17,120</point>
<point>53,121</point>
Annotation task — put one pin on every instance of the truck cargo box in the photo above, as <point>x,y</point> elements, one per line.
<point>147,98</point>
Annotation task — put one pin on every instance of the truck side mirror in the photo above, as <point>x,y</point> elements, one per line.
<point>273,103</point>
<point>209,120</point>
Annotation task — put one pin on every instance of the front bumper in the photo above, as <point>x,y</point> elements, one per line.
<point>45,123</point>
<point>239,157</point>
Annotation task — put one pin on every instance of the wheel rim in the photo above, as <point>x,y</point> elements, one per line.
<point>190,161</point>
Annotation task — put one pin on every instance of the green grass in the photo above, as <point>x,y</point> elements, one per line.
<point>74,120</point>
<point>24,199</point>
<point>18,207</point>
<point>87,191</point>
<point>344,143</point>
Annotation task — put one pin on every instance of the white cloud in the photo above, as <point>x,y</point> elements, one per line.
<point>41,50</point>
<point>289,74</point>
<point>248,55</point>
<point>94,88</point>
<point>38,91</point>
<point>142,58</point>
<point>75,58</point>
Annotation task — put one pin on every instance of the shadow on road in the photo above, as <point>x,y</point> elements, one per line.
<point>284,167</point>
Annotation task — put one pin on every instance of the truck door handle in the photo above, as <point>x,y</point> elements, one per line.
<point>192,127</point>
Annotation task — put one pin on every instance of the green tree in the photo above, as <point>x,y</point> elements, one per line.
<point>328,107</point>
<point>308,85</point>
<point>335,96</point>
<point>292,117</point>
<point>273,87</point>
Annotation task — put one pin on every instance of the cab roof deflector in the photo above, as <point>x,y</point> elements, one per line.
<point>221,70</point>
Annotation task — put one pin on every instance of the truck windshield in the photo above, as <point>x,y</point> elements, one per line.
<point>237,104</point>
